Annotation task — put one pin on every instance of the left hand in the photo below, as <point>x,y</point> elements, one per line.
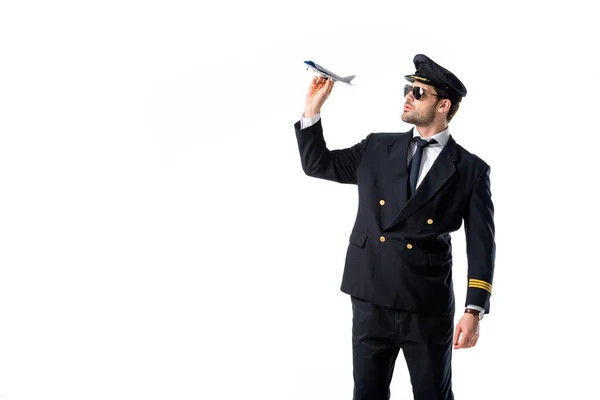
<point>467,330</point>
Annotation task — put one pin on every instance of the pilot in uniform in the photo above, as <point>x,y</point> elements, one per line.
<point>413,191</point>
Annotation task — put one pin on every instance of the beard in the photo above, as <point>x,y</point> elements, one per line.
<point>419,118</point>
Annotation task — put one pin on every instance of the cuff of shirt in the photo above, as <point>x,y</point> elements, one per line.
<point>307,122</point>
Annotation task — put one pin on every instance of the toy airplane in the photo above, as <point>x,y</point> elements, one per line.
<point>328,74</point>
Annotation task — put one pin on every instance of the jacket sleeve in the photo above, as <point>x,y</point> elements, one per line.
<point>480,242</point>
<point>320,162</point>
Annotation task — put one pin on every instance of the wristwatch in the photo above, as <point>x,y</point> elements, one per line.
<point>476,313</point>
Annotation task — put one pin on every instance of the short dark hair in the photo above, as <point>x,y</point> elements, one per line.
<point>453,109</point>
<point>454,103</point>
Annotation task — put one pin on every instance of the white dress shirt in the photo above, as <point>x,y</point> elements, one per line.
<point>430,154</point>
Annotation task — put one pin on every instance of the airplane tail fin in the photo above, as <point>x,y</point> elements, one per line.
<point>349,78</point>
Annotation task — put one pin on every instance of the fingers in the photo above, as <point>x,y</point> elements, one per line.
<point>462,343</point>
<point>329,84</point>
<point>468,338</point>
<point>314,83</point>
<point>320,81</point>
<point>457,336</point>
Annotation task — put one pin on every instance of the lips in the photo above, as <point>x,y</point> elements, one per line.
<point>407,107</point>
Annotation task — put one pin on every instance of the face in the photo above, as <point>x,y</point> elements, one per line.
<point>420,112</point>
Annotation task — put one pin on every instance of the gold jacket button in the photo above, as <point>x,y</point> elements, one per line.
<point>409,246</point>
<point>381,202</point>
<point>430,221</point>
<point>382,239</point>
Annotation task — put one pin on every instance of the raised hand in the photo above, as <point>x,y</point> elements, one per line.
<point>318,92</point>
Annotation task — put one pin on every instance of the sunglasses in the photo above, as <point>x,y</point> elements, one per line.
<point>417,92</point>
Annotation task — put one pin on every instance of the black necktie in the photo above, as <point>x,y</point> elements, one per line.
<point>415,163</point>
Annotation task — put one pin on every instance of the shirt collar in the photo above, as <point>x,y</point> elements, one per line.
<point>441,137</point>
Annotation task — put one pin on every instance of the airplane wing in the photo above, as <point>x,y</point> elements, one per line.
<point>328,74</point>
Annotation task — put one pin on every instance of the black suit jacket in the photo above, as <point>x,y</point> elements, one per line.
<point>399,252</point>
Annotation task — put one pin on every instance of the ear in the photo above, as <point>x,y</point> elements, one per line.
<point>444,105</point>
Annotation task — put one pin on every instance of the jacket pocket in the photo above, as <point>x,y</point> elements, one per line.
<point>436,260</point>
<point>358,238</point>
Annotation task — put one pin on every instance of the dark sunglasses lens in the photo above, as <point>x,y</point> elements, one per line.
<point>417,92</point>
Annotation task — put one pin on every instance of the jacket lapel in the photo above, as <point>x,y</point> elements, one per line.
<point>441,170</point>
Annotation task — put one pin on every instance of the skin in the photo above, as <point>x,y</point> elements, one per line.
<point>429,115</point>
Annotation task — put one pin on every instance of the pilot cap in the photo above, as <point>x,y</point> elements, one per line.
<point>433,74</point>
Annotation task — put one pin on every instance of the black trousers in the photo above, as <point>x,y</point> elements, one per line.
<point>378,334</point>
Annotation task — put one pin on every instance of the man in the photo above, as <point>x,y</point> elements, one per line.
<point>414,189</point>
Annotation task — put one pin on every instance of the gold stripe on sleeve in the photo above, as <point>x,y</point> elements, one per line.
<point>475,283</point>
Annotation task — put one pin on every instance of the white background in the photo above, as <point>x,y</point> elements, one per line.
<point>159,240</point>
